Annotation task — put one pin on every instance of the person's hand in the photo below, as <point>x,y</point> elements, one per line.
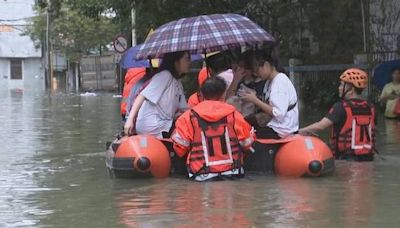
<point>129,127</point>
<point>391,96</point>
<point>305,132</point>
<point>395,94</point>
<point>248,97</point>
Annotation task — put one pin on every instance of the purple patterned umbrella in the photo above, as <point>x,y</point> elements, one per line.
<point>206,33</point>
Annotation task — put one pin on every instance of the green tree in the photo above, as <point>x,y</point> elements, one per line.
<point>72,32</point>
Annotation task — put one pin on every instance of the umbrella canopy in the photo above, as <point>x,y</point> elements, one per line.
<point>128,60</point>
<point>206,33</point>
<point>383,73</point>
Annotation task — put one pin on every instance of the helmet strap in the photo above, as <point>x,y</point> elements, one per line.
<point>344,91</point>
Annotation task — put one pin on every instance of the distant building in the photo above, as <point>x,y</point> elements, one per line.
<point>385,29</point>
<point>21,63</point>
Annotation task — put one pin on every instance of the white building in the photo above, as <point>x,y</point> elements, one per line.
<point>20,61</point>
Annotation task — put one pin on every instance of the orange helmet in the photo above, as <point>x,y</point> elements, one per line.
<point>356,77</point>
<point>203,75</point>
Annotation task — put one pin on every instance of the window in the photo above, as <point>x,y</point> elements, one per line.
<point>16,68</point>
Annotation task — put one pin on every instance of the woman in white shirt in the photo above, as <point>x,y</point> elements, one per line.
<point>280,102</point>
<point>156,107</point>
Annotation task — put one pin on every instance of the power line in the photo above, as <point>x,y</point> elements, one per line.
<point>18,19</point>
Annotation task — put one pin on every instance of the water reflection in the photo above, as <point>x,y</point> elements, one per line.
<point>21,127</point>
<point>179,203</point>
<point>391,132</point>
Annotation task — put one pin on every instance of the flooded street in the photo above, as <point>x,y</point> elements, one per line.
<point>53,175</point>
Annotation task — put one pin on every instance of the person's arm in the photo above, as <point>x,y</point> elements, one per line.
<point>243,131</point>
<point>238,75</point>
<point>387,95</point>
<point>129,125</point>
<point>316,127</point>
<point>251,97</point>
<point>181,136</point>
<point>336,115</point>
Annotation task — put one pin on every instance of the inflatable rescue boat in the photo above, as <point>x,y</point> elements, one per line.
<point>138,156</point>
<point>300,156</point>
<point>146,156</point>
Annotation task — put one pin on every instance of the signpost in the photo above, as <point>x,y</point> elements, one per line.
<point>120,44</point>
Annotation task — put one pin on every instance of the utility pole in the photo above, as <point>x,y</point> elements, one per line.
<point>49,81</point>
<point>363,26</point>
<point>133,21</point>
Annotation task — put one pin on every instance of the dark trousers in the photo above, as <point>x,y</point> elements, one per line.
<point>262,160</point>
<point>266,133</point>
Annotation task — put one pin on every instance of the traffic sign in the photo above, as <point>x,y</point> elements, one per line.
<point>120,44</point>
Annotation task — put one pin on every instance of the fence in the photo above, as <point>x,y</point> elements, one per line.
<point>98,73</point>
<point>318,84</point>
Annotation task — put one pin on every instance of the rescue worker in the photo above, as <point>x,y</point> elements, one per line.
<point>131,77</point>
<point>196,97</point>
<point>220,65</point>
<point>352,119</point>
<point>213,135</point>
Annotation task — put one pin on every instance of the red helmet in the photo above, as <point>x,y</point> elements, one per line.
<point>358,78</point>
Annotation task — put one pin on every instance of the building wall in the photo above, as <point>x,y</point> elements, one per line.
<point>385,25</point>
<point>14,16</point>
<point>32,75</point>
<point>4,73</point>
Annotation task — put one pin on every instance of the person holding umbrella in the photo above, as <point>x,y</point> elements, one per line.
<point>155,108</point>
<point>197,35</point>
<point>390,96</point>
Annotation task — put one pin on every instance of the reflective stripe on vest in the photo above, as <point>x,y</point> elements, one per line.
<point>215,147</point>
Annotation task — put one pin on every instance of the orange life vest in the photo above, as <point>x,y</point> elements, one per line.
<point>195,99</point>
<point>215,147</point>
<point>132,76</point>
<point>357,136</point>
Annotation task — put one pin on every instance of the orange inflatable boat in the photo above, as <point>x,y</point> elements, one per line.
<point>146,156</point>
<point>301,155</point>
<point>137,157</point>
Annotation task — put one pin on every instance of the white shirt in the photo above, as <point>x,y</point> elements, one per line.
<point>227,76</point>
<point>281,93</point>
<point>164,97</point>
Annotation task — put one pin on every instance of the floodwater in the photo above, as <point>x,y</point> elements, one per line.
<point>53,175</point>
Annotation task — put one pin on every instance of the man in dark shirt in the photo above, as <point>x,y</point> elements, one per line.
<point>337,115</point>
<point>352,83</point>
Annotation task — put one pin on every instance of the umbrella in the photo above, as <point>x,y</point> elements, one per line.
<point>383,73</point>
<point>203,34</point>
<point>128,60</point>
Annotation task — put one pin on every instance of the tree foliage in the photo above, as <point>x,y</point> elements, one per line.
<point>72,32</point>
<point>332,27</point>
